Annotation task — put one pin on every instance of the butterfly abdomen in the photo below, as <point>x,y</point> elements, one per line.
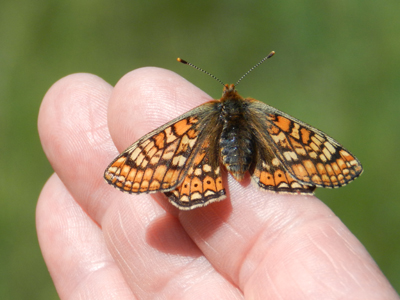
<point>236,140</point>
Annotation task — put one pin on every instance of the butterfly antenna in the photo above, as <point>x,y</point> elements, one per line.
<point>264,59</point>
<point>197,68</point>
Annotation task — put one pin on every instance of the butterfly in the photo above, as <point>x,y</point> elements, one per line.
<point>183,158</point>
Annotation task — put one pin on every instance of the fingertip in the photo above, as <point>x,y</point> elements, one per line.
<point>65,93</point>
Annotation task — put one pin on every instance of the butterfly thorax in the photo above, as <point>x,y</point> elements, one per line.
<point>236,141</point>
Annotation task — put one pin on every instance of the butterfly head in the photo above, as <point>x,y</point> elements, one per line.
<point>229,88</point>
<point>230,91</point>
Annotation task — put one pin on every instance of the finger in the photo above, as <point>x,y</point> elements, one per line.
<point>75,158</point>
<point>285,247</point>
<point>238,238</point>
<point>74,249</point>
<point>73,131</point>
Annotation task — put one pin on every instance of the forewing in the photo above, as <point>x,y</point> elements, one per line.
<point>310,156</point>
<point>203,183</point>
<point>158,161</point>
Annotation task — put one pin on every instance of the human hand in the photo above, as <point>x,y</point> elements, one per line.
<point>99,243</point>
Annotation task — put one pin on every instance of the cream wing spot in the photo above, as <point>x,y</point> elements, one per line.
<point>283,185</point>
<point>290,155</point>
<point>135,154</point>
<point>327,153</point>
<point>313,155</point>
<point>148,147</point>
<point>321,138</point>
<point>170,151</point>
<point>140,159</point>
<point>329,147</point>
<point>314,147</point>
<point>198,172</point>
<point>354,163</point>
<point>192,142</point>
<point>301,151</point>
<point>170,136</point>
<point>184,198</point>
<point>184,144</point>
<point>144,163</point>
<point>179,161</point>
<point>316,141</point>
<point>152,152</point>
<point>156,158</point>
<point>209,193</point>
<point>144,144</point>
<point>112,170</point>
<point>281,140</point>
<point>275,162</point>
<point>295,131</point>
<point>207,168</point>
<point>295,185</point>
<point>196,196</point>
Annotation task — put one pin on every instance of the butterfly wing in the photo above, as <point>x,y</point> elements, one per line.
<point>307,154</point>
<point>175,153</point>
<point>270,174</point>
<point>157,161</point>
<point>203,183</point>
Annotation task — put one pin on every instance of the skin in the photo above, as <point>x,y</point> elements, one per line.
<point>100,243</point>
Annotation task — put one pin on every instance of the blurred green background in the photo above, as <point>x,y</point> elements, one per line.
<point>337,67</point>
